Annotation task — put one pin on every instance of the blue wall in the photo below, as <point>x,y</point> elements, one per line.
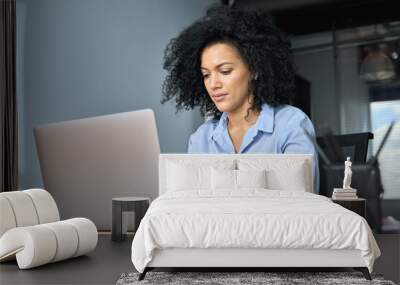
<point>83,58</point>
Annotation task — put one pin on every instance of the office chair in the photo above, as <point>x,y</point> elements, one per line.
<point>338,147</point>
<point>366,177</point>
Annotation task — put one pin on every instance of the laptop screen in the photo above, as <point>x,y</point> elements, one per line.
<point>87,162</point>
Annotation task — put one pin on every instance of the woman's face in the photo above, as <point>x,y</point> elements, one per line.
<point>226,77</point>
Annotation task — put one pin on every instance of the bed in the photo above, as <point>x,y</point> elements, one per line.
<point>247,210</point>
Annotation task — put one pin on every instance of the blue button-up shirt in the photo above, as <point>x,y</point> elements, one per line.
<point>277,130</point>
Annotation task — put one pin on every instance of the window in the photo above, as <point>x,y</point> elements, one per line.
<point>382,114</point>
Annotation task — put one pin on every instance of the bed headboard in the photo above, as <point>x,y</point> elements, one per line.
<point>282,164</point>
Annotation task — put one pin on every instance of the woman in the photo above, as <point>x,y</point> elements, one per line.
<point>237,67</point>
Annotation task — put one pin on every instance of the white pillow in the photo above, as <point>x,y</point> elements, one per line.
<point>235,179</point>
<point>251,178</point>
<point>294,180</point>
<point>184,177</point>
<point>187,174</point>
<point>282,174</point>
<point>223,179</point>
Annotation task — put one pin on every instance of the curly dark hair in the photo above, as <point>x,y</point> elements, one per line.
<point>260,43</point>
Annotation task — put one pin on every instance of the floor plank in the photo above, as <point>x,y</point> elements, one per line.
<point>102,266</point>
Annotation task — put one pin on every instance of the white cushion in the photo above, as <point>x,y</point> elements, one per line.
<point>183,177</point>
<point>45,206</point>
<point>23,208</point>
<point>41,244</point>
<point>282,174</point>
<point>87,233</point>
<point>67,237</point>
<point>293,180</point>
<point>33,246</point>
<point>26,208</point>
<point>193,174</point>
<point>223,179</point>
<point>251,178</point>
<point>281,168</point>
<point>7,220</point>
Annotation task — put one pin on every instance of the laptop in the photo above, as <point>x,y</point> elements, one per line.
<point>87,162</point>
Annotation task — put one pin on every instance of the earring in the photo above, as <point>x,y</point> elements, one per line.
<point>256,77</point>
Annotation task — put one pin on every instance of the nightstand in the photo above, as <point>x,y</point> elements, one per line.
<point>139,205</point>
<point>358,205</point>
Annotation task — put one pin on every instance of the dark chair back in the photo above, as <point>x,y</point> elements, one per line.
<point>366,177</point>
<point>338,147</point>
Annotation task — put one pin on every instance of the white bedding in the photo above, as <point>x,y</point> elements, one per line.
<point>250,218</point>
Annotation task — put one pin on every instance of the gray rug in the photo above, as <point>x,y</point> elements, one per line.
<point>229,278</point>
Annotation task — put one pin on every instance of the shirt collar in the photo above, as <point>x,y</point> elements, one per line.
<point>221,126</point>
<point>265,122</point>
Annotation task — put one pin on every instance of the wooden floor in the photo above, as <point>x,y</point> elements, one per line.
<point>111,259</point>
<point>102,266</point>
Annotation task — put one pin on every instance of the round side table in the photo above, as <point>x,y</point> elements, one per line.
<point>139,205</point>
